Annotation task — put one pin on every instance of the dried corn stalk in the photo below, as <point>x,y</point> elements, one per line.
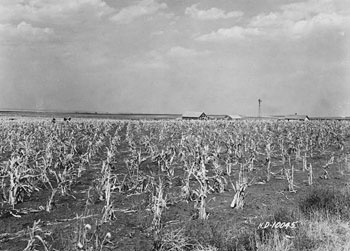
<point>290,179</point>
<point>309,169</point>
<point>238,199</point>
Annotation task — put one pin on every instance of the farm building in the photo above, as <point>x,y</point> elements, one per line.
<point>267,117</point>
<point>296,117</point>
<point>194,115</point>
<point>216,116</point>
<point>224,117</point>
<point>233,117</point>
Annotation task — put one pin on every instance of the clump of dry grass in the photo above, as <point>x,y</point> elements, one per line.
<point>178,240</point>
<point>334,202</point>
<point>275,242</point>
<point>322,232</point>
<point>323,225</point>
<point>175,240</point>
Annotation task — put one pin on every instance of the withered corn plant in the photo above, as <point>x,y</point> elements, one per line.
<point>268,151</point>
<point>35,235</point>
<point>290,178</point>
<point>238,199</point>
<point>188,172</point>
<point>158,206</point>
<point>239,189</point>
<point>108,209</point>
<point>309,175</point>
<point>200,203</point>
<point>304,163</point>
<point>21,181</point>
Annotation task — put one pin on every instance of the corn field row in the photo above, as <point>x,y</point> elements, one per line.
<point>136,157</point>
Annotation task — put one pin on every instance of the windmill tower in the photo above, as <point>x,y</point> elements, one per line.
<point>259,101</point>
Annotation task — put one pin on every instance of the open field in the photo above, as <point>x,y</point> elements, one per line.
<point>105,184</point>
<point>87,115</point>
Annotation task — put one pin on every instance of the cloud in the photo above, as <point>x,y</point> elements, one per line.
<point>266,20</point>
<point>24,32</point>
<point>144,7</point>
<point>43,10</point>
<point>304,10</point>
<point>211,14</point>
<point>179,51</point>
<point>152,60</point>
<point>320,21</point>
<point>48,20</point>
<point>157,33</point>
<point>297,20</point>
<point>160,59</point>
<point>234,33</point>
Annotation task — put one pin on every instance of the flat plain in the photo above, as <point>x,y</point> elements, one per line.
<point>102,184</point>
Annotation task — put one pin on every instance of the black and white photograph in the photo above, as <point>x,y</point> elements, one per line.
<point>174,125</point>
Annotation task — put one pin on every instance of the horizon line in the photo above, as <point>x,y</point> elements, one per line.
<point>133,113</point>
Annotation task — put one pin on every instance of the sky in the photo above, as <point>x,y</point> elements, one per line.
<point>171,56</point>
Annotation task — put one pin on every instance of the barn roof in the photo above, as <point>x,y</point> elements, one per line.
<point>216,116</point>
<point>296,117</point>
<point>190,114</point>
<point>234,116</point>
